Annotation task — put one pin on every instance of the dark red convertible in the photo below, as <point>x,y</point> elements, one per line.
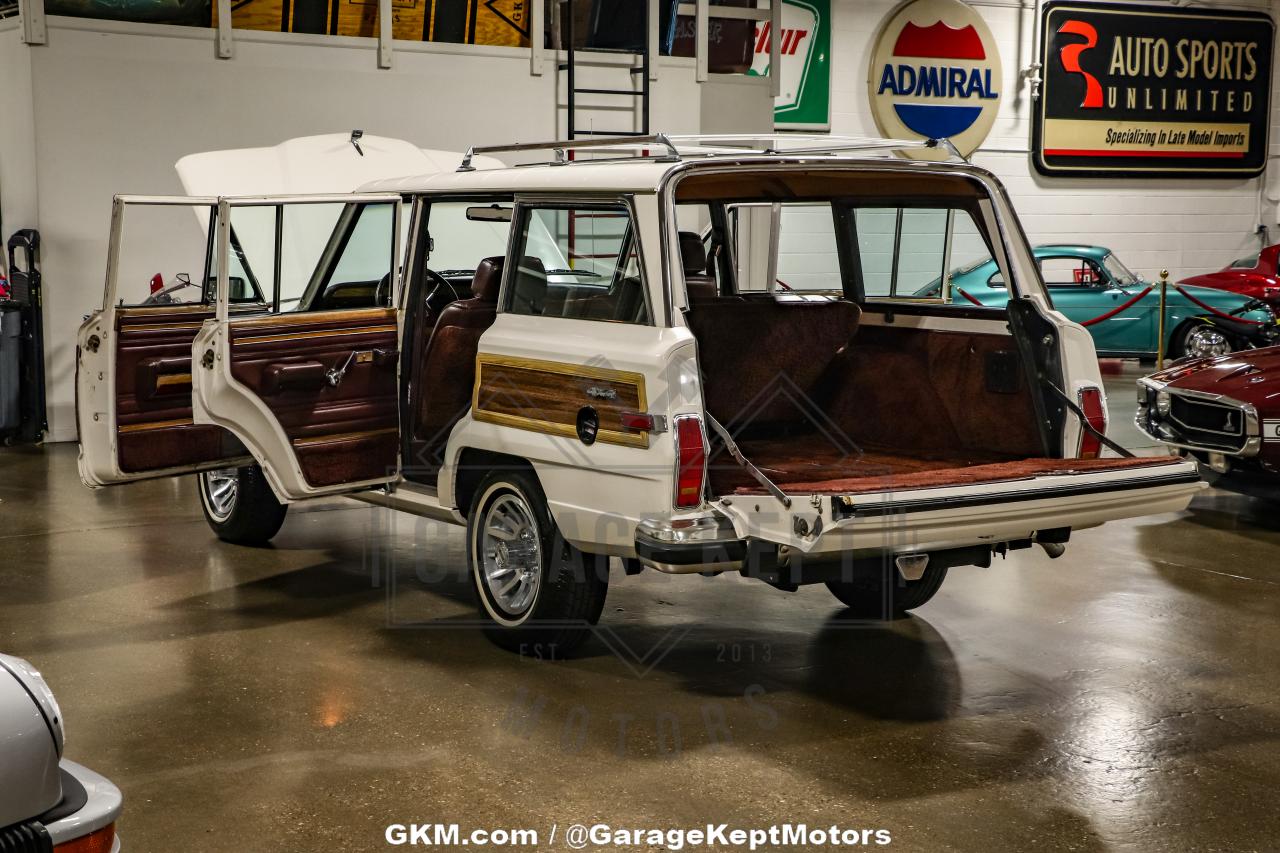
<point>1225,412</point>
<point>1254,275</point>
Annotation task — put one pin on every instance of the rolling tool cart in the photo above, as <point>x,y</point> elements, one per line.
<point>22,403</point>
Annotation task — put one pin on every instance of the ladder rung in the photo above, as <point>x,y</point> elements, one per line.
<point>632,92</point>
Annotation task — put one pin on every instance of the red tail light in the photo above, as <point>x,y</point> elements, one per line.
<point>1095,412</point>
<point>691,461</point>
<point>157,283</point>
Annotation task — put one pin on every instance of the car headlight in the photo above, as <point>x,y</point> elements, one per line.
<point>1163,402</point>
<point>31,679</point>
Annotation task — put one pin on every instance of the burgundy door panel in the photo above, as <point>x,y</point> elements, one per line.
<point>341,433</point>
<point>154,429</point>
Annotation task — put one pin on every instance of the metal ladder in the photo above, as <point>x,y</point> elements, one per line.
<point>570,67</point>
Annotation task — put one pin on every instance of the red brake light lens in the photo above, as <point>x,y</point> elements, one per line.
<point>691,461</point>
<point>1095,412</point>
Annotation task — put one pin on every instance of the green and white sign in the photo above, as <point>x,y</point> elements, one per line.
<point>804,102</point>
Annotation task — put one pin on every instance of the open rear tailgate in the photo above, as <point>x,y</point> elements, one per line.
<point>937,517</point>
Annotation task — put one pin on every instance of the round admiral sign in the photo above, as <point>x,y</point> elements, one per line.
<point>935,73</point>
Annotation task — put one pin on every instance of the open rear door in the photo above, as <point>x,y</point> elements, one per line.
<point>309,384</point>
<point>133,365</point>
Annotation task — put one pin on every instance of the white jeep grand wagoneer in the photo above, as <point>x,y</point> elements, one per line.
<point>696,355</point>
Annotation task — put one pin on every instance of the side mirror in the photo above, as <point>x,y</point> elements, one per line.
<point>490,213</point>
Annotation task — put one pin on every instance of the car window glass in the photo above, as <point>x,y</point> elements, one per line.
<point>161,256</point>
<point>808,259</point>
<point>580,263</point>
<point>1245,263</point>
<point>1070,272</point>
<point>903,251</point>
<point>458,244</point>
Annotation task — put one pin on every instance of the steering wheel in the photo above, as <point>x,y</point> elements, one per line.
<point>382,293</point>
<point>441,292</point>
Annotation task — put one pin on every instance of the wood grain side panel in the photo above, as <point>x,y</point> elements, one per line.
<point>546,396</point>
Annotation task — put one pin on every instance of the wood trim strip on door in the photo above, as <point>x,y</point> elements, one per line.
<point>343,436</point>
<point>546,396</point>
<point>177,422</point>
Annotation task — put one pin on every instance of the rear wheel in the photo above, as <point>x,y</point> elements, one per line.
<point>884,594</point>
<point>1201,340</point>
<point>540,594</point>
<point>239,505</point>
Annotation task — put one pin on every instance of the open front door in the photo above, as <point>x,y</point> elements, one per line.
<point>309,384</point>
<point>133,365</point>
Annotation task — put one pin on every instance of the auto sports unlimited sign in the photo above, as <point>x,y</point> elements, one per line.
<point>804,52</point>
<point>1153,92</point>
<point>935,73</point>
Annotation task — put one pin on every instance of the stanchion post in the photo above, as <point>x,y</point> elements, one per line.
<point>1164,295</point>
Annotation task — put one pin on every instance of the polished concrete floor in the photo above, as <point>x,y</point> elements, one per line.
<point>304,696</point>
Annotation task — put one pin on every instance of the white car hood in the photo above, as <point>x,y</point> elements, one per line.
<point>328,163</point>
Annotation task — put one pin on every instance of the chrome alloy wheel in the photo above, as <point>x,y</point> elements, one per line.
<point>218,490</point>
<point>511,554</point>
<point>1206,342</point>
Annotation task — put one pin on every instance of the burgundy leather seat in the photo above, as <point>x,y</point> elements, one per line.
<point>449,361</point>
<point>693,258</point>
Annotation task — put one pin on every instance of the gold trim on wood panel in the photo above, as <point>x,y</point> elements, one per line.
<point>302,318</point>
<point>147,310</point>
<point>173,379</point>
<point>574,371</point>
<point>161,327</point>
<point>343,436</point>
<point>321,333</point>
<point>177,422</point>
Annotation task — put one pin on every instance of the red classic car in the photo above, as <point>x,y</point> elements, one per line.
<point>1225,412</point>
<point>1254,275</point>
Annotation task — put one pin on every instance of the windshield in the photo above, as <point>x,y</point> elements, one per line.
<point>1119,272</point>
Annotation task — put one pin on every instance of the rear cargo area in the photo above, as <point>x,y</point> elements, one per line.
<point>823,400</point>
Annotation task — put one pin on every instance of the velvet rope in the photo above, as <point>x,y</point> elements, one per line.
<point>1216,312</point>
<point>970,298</point>
<point>1114,311</point>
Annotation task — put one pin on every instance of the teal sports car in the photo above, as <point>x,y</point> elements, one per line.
<point>1090,282</point>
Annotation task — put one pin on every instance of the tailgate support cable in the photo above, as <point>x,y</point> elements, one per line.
<point>755,472</point>
<point>1084,420</point>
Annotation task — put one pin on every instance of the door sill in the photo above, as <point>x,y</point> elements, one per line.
<point>413,498</point>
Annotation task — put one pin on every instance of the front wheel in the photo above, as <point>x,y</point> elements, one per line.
<point>539,594</point>
<point>884,594</point>
<point>239,505</point>
<point>1201,340</point>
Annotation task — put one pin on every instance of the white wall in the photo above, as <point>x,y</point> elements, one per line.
<point>116,105</point>
<point>18,208</point>
<point>1189,226</point>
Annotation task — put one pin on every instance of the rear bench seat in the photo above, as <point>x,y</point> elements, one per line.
<point>766,357</point>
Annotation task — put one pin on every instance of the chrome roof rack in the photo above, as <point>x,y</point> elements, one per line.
<point>679,146</point>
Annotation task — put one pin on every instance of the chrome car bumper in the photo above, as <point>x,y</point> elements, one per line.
<point>706,543</point>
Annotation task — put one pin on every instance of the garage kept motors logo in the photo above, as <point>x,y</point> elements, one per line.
<point>935,73</point>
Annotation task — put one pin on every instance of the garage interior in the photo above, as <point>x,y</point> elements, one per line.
<point>308,694</point>
<point>1100,701</point>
